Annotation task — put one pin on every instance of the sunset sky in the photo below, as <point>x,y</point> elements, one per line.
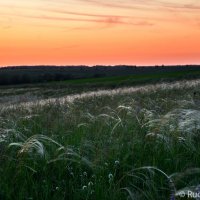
<point>66,32</point>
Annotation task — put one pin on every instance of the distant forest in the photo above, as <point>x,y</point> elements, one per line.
<point>38,74</point>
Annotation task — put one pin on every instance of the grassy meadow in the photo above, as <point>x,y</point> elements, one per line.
<point>62,141</point>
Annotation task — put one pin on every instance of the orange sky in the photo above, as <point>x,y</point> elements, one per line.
<point>65,32</point>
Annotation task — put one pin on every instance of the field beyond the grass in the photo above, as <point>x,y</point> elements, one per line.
<point>139,142</point>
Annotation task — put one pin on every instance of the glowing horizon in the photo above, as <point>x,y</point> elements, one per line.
<point>95,32</point>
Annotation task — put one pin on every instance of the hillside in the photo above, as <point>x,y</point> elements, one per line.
<point>36,74</point>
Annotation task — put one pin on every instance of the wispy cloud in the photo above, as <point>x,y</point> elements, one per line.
<point>51,10</point>
<point>46,9</point>
<point>114,4</point>
<point>107,20</point>
<point>181,5</point>
<point>100,18</point>
<point>146,4</point>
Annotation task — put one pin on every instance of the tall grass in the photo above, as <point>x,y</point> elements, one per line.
<point>128,145</point>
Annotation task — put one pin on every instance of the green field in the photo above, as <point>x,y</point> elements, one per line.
<point>138,78</point>
<point>61,88</point>
<point>73,74</point>
<point>139,142</point>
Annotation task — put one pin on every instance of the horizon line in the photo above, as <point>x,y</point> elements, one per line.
<point>99,65</point>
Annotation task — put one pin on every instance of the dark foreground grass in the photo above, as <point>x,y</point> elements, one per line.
<point>98,148</point>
